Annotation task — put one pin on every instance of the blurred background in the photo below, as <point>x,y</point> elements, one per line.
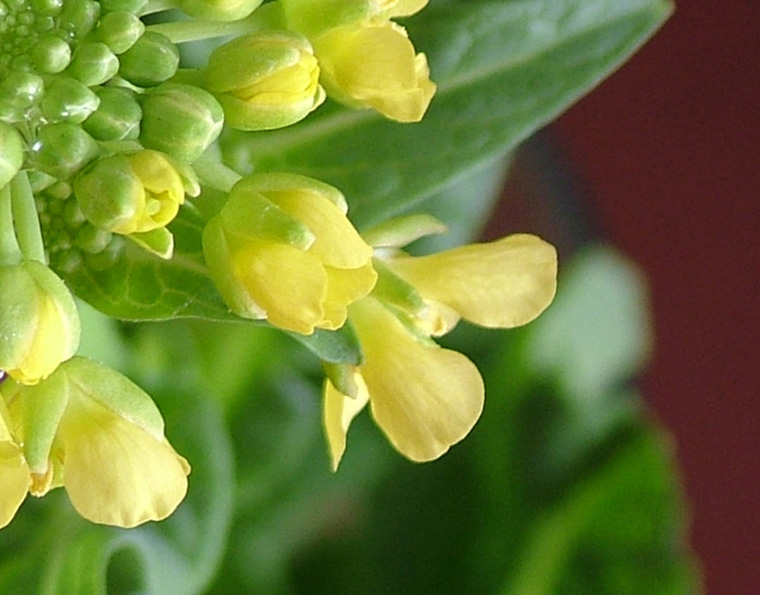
<point>666,152</point>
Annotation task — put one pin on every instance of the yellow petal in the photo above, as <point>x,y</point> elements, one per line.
<point>345,286</point>
<point>14,474</point>
<point>424,398</point>
<point>115,472</point>
<point>290,285</point>
<point>339,412</point>
<point>375,65</point>
<point>14,485</point>
<point>501,284</point>
<point>337,242</point>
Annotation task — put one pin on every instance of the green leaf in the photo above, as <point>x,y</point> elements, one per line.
<point>62,554</point>
<point>142,286</point>
<point>503,69</point>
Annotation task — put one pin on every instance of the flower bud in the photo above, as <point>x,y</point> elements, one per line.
<point>219,10</point>
<point>130,193</point>
<point>91,430</point>
<point>21,89</point>
<point>150,61</point>
<point>120,30</point>
<point>39,324</point>
<point>93,64</point>
<point>265,80</point>
<point>282,249</point>
<point>117,117</point>
<point>51,54</point>
<point>78,17</point>
<point>11,153</point>
<point>180,120</point>
<point>373,64</point>
<point>68,100</point>
<point>62,149</point>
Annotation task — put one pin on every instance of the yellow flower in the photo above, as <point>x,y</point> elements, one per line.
<point>426,398</point>
<point>14,474</point>
<point>265,80</point>
<point>130,193</point>
<point>282,249</point>
<point>39,324</point>
<point>366,60</point>
<point>374,64</point>
<point>93,431</point>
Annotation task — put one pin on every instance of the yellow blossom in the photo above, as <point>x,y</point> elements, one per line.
<point>39,324</point>
<point>426,398</point>
<point>14,474</point>
<point>130,193</point>
<point>366,60</point>
<point>283,249</point>
<point>374,64</point>
<point>98,435</point>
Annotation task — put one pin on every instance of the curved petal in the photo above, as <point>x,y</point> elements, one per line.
<point>14,474</point>
<point>345,286</point>
<point>373,64</point>
<point>339,411</point>
<point>290,285</point>
<point>115,472</point>
<point>501,284</point>
<point>425,398</point>
<point>337,242</point>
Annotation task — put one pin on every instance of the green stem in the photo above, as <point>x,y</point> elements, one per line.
<point>10,253</point>
<point>263,18</point>
<point>158,6</point>
<point>26,220</point>
<point>215,174</point>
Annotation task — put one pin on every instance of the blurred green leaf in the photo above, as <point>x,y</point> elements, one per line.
<point>503,69</point>
<point>65,555</point>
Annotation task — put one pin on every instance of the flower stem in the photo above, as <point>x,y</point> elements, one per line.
<point>265,17</point>
<point>27,222</point>
<point>10,253</point>
<point>158,6</point>
<point>215,174</point>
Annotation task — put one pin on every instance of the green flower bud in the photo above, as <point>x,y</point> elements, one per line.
<point>180,120</point>
<point>117,117</point>
<point>21,89</point>
<point>219,10</point>
<point>78,17</point>
<point>93,64</point>
<point>130,193</point>
<point>51,54</point>
<point>133,6</point>
<point>62,149</point>
<point>150,61</point>
<point>39,324</point>
<point>265,80</point>
<point>48,8</point>
<point>68,100</point>
<point>11,153</point>
<point>120,30</point>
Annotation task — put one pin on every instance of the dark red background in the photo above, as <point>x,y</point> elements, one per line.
<point>669,149</point>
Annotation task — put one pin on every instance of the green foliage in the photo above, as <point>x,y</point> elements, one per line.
<point>504,69</point>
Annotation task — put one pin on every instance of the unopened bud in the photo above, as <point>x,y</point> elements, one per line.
<point>120,30</point>
<point>180,120</point>
<point>51,54</point>
<point>93,64</point>
<point>265,80</point>
<point>152,60</point>
<point>117,117</point>
<point>62,149</point>
<point>68,100</point>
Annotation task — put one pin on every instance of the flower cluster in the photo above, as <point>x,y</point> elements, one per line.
<point>106,137</point>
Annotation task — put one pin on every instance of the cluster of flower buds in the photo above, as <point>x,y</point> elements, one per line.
<point>104,136</point>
